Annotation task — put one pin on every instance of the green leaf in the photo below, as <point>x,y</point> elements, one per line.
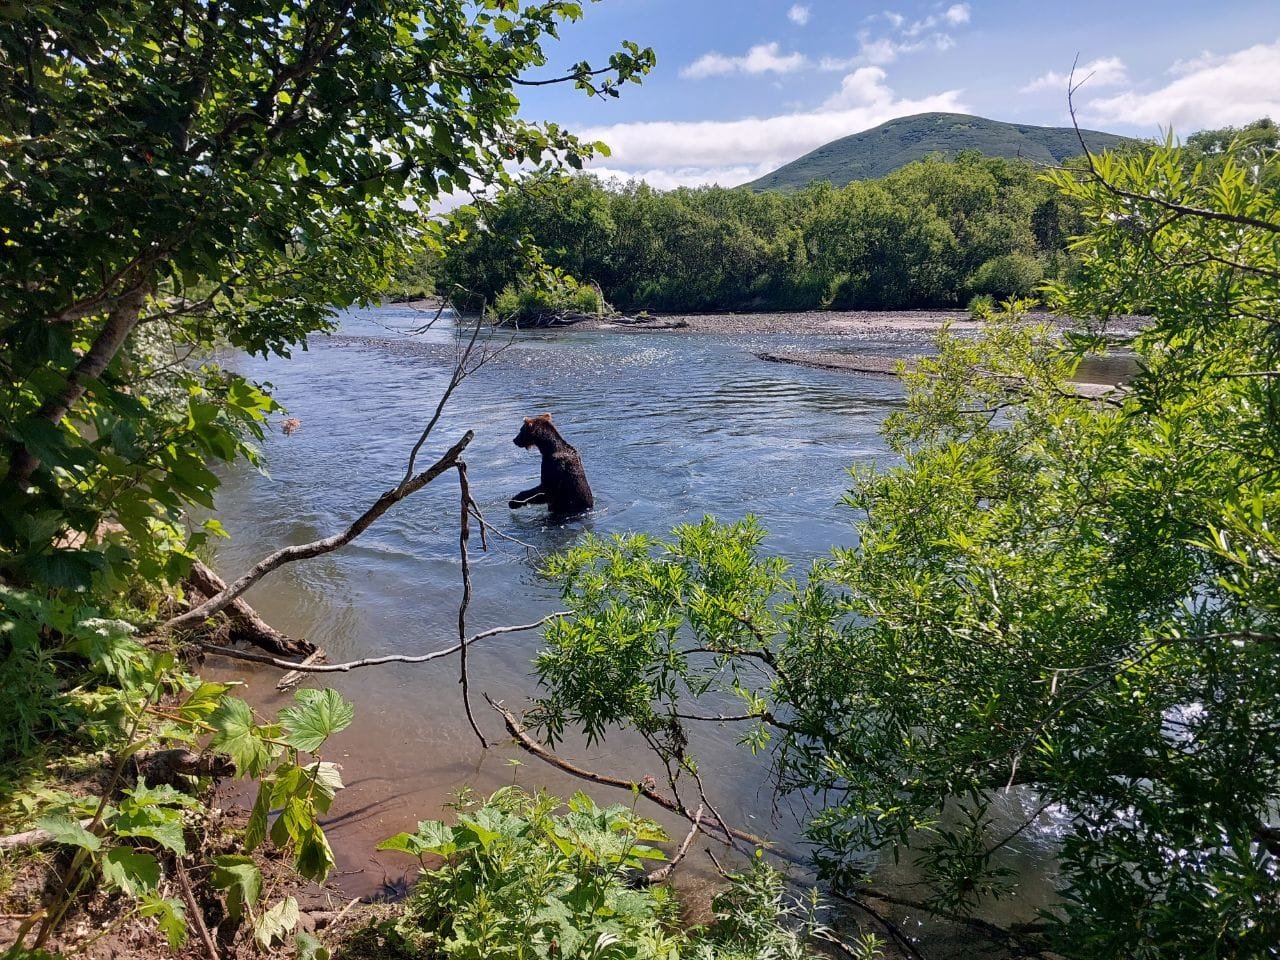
<point>313,857</point>
<point>482,833</point>
<point>275,924</point>
<point>171,916</point>
<point>255,830</point>
<point>242,880</point>
<point>317,715</point>
<point>131,871</point>
<point>309,948</point>
<point>161,824</point>
<point>239,738</point>
<point>327,780</point>
<point>70,832</point>
<point>163,795</point>
<point>203,701</point>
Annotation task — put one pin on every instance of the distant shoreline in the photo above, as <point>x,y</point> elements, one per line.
<point>808,322</point>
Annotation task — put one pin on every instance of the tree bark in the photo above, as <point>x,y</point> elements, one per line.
<point>120,323</point>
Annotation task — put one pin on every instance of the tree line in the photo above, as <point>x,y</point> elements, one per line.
<point>932,234</point>
<point>935,233</point>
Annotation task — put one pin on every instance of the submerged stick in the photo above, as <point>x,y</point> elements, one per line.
<point>464,534</point>
<point>293,676</point>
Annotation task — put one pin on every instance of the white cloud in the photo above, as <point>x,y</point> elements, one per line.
<point>957,13</point>
<point>865,86</point>
<point>1191,64</point>
<point>762,58</point>
<point>1214,92</point>
<point>798,14</point>
<point>663,178</point>
<point>878,51</point>
<point>735,151</point>
<point>1105,72</point>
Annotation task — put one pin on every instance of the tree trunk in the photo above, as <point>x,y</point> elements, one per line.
<point>120,323</point>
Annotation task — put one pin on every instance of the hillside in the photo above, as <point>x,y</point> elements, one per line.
<point>883,149</point>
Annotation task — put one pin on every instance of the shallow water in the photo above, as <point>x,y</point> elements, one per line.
<point>670,427</point>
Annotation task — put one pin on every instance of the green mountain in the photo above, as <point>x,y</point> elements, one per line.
<point>883,149</point>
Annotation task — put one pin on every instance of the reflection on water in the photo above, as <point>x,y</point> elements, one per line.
<point>669,426</point>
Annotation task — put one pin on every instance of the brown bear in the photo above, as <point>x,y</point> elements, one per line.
<point>564,486</point>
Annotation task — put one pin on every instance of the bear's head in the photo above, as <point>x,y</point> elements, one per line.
<point>535,429</point>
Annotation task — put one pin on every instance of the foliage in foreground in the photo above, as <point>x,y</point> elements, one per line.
<point>1073,599</point>
<point>127,703</point>
<point>524,876</point>
<point>181,178</point>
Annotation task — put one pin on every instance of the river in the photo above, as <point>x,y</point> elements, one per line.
<point>670,426</point>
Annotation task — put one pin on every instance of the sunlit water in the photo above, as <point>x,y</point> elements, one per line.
<point>670,426</point>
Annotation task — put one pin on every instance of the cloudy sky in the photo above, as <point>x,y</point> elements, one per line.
<point>743,86</point>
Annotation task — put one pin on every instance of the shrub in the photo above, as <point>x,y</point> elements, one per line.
<point>535,300</point>
<point>525,876</point>
<point>1008,276</point>
<point>982,306</point>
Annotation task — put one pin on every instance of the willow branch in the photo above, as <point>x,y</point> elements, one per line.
<point>304,667</point>
<point>1182,209</point>
<point>318,548</point>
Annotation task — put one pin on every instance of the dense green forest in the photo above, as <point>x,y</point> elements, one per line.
<point>932,234</point>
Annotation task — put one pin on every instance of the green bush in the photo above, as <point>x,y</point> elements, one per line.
<point>535,300</point>
<point>1008,276</point>
<point>587,299</point>
<point>982,306</point>
<point>524,877</point>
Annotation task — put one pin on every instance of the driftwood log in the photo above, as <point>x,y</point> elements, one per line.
<point>242,621</point>
<point>174,767</point>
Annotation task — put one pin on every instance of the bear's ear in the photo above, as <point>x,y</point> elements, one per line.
<point>545,416</point>
<point>528,421</point>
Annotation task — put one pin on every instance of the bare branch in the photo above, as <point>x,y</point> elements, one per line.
<point>663,872</point>
<point>193,909</point>
<point>326,545</point>
<point>33,838</point>
<point>458,375</point>
<point>464,534</point>
<point>643,786</point>
<point>305,667</point>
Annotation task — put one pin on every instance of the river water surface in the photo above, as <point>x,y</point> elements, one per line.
<point>670,426</point>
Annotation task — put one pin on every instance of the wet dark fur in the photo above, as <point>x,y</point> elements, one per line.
<point>564,487</point>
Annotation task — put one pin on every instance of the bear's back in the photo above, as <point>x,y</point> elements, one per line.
<point>565,481</point>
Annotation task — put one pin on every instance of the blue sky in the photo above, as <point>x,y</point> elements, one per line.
<point>744,86</point>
